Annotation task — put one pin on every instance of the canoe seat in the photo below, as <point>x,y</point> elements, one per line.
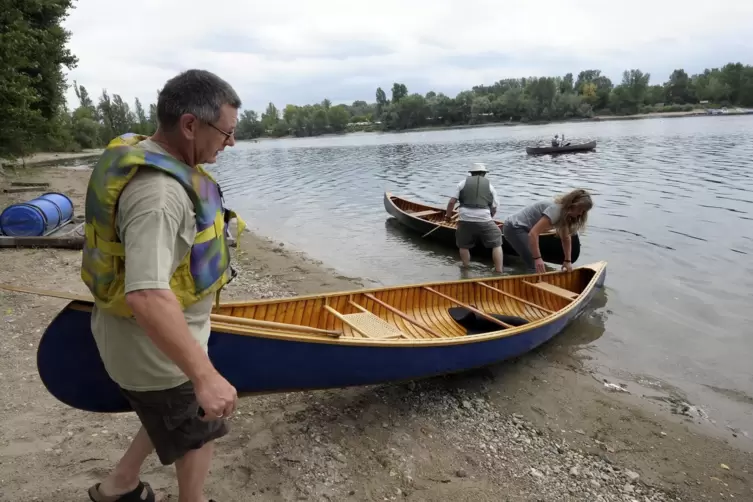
<point>373,326</point>
<point>564,293</point>
<point>428,212</point>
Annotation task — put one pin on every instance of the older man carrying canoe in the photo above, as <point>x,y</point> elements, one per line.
<point>478,205</point>
<point>155,259</point>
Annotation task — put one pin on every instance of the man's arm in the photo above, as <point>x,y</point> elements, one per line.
<point>453,200</point>
<point>150,215</point>
<point>450,207</point>
<point>158,313</point>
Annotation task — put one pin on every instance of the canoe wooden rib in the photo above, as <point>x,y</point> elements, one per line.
<point>383,335</point>
<point>422,218</point>
<point>540,150</point>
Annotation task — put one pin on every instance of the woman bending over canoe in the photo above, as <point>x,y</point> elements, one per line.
<point>567,215</point>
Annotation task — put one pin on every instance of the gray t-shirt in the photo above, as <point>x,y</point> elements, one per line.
<point>528,216</point>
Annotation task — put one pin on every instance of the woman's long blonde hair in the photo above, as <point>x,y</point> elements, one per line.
<point>569,225</point>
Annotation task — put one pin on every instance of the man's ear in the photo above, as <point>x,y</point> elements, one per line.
<point>188,125</point>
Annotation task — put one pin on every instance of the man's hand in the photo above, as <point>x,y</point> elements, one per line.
<point>216,396</point>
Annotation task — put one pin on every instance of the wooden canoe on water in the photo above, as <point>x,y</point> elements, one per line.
<point>360,337</point>
<point>422,218</point>
<point>580,147</point>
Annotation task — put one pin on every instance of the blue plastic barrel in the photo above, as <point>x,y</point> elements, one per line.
<point>39,216</point>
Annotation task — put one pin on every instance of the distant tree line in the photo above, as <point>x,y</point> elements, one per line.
<point>512,100</point>
<point>34,115</point>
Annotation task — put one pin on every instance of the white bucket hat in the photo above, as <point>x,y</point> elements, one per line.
<point>478,167</point>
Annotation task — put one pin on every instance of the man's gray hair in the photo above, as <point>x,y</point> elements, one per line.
<point>198,92</point>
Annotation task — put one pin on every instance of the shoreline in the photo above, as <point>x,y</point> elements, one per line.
<point>51,159</point>
<point>541,426</point>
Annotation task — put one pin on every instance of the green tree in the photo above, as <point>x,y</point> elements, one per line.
<point>338,118</point>
<point>142,125</point>
<point>33,53</point>
<point>399,91</point>
<point>249,126</point>
<point>679,88</point>
<point>270,117</point>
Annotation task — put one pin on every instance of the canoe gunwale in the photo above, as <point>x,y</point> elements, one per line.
<point>291,336</point>
<point>597,268</point>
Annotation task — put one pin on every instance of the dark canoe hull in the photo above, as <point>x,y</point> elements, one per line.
<point>582,147</point>
<point>550,245</point>
<point>72,371</point>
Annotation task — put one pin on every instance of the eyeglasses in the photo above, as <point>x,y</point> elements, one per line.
<point>228,135</point>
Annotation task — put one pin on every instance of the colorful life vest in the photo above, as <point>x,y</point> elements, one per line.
<point>205,270</point>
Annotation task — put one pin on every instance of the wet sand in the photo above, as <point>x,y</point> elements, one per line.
<point>542,427</point>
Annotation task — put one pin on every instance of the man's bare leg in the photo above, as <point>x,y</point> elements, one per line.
<point>497,256</point>
<point>192,470</point>
<point>465,257</point>
<point>125,477</point>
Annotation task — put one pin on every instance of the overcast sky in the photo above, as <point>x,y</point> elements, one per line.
<point>296,51</point>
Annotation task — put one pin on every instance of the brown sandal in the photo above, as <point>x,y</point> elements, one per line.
<point>142,493</point>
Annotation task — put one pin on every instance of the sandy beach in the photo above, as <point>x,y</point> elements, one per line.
<point>539,428</point>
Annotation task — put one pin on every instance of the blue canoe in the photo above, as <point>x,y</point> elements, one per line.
<point>359,337</point>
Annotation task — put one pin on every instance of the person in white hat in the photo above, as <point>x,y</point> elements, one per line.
<point>478,204</point>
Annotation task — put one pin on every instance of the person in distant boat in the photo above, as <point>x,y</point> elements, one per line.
<point>556,140</point>
<point>478,204</point>
<point>566,214</point>
<point>152,214</point>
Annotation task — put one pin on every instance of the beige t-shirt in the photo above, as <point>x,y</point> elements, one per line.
<point>156,223</point>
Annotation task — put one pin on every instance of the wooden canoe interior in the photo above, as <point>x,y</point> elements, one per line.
<point>424,212</point>
<point>419,312</point>
<point>432,214</point>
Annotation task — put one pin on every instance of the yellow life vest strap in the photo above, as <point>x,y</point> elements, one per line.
<point>117,248</point>
<point>210,233</point>
<point>240,226</point>
<point>95,242</point>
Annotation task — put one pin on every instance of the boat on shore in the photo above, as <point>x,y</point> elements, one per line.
<point>342,339</point>
<point>579,147</point>
<point>424,218</point>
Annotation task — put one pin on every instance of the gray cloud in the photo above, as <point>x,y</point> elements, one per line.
<point>300,51</point>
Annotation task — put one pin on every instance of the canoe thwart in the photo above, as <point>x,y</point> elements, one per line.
<point>428,212</point>
<point>516,298</point>
<point>473,309</point>
<point>556,290</point>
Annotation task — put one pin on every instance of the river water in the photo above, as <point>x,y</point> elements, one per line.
<point>673,216</point>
